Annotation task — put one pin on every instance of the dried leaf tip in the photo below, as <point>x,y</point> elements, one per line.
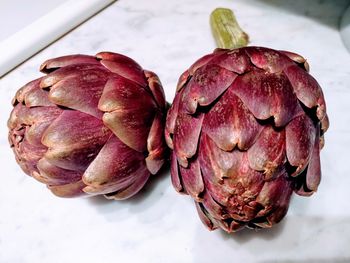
<point>226,30</point>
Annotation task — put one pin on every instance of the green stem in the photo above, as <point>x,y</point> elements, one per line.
<point>227,33</point>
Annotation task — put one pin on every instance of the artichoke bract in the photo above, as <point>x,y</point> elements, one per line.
<point>91,125</point>
<point>246,128</point>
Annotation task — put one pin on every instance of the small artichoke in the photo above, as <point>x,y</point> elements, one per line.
<point>92,124</point>
<point>246,128</point>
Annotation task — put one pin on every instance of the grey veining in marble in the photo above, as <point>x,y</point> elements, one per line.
<point>158,225</point>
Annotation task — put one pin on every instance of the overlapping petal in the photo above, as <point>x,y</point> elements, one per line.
<point>205,86</point>
<point>230,123</point>
<point>80,91</point>
<point>114,168</point>
<point>92,124</point>
<point>74,139</point>
<point>253,142</point>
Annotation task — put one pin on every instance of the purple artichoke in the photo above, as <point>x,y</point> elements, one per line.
<point>93,124</point>
<point>246,128</point>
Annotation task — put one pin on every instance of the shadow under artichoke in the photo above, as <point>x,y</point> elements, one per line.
<point>147,197</point>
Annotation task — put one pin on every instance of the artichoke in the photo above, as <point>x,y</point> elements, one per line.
<point>91,125</point>
<point>246,128</point>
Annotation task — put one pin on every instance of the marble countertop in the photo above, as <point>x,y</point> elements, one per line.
<point>159,225</point>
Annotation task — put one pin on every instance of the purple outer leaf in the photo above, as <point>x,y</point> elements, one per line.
<point>93,124</point>
<point>206,85</point>
<point>300,137</point>
<point>74,139</point>
<point>175,177</point>
<point>114,168</point>
<point>187,129</point>
<point>156,145</point>
<point>250,123</point>
<point>230,123</point>
<point>129,111</point>
<point>307,89</point>
<point>192,179</point>
<point>80,92</point>
<point>64,61</point>
<point>268,152</point>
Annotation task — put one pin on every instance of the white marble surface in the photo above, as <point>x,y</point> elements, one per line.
<point>158,225</point>
<point>38,27</point>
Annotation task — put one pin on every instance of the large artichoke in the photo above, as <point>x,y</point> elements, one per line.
<point>93,124</point>
<point>246,127</point>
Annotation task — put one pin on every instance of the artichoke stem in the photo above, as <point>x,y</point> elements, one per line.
<point>227,33</point>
